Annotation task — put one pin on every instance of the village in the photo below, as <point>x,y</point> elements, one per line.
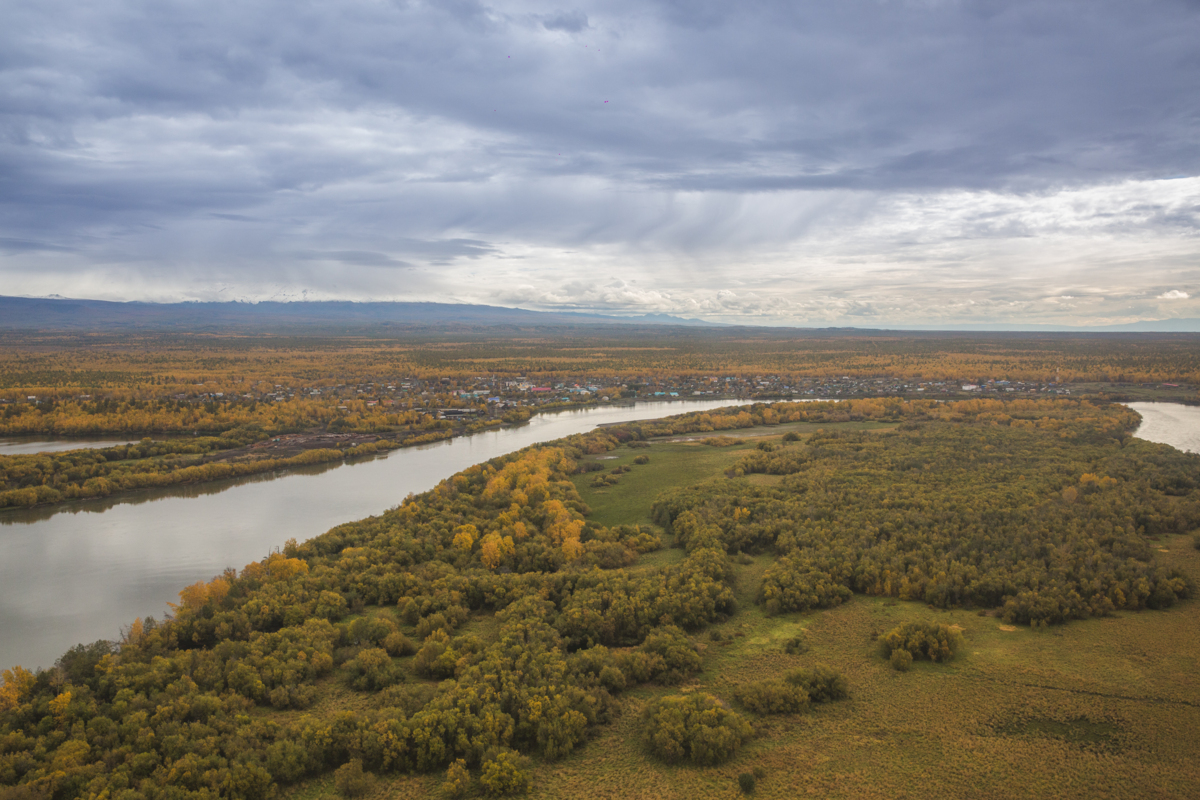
<point>493,396</point>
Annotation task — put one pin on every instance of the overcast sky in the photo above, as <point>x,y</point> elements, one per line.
<point>863,162</point>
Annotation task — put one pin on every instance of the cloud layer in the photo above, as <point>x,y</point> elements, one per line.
<point>869,161</point>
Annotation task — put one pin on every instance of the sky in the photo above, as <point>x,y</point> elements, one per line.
<point>861,162</point>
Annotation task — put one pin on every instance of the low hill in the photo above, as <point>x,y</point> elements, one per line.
<point>26,313</point>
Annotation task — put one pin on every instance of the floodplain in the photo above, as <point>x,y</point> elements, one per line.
<point>989,593</point>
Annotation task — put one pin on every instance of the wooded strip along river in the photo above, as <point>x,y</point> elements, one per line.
<point>79,571</point>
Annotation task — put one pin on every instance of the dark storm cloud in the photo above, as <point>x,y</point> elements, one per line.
<point>436,133</point>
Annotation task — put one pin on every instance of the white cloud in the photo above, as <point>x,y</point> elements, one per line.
<point>1174,294</point>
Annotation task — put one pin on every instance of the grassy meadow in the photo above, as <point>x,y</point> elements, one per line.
<point>1098,708</point>
<point>1102,708</point>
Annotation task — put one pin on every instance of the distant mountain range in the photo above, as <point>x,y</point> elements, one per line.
<point>65,314</point>
<point>1179,325</point>
<point>36,313</point>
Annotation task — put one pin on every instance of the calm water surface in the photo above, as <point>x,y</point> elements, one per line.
<point>1169,423</point>
<point>77,573</point>
<point>19,445</point>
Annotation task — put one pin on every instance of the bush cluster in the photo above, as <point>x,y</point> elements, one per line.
<point>932,641</point>
<point>697,728</point>
<point>793,692</point>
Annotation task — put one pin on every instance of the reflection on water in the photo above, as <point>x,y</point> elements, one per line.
<point>20,516</point>
<point>75,575</point>
<point>1169,423</point>
<point>22,445</point>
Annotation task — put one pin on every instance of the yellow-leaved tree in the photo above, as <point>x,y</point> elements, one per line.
<point>465,536</point>
<point>276,567</point>
<point>15,686</point>
<point>494,548</point>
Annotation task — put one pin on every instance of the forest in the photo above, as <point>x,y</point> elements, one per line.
<point>157,365</point>
<point>487,637</point>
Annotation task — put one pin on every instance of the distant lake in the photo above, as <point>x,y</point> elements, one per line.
<point>1169,423</point>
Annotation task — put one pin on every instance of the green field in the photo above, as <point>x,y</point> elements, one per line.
<point>681,461</point>
<point>1098,708</point>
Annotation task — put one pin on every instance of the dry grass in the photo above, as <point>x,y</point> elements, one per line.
<point>1090,711</point>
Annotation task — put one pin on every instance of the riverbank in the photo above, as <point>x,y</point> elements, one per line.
<point>49,479</point>
<point>58,562</point>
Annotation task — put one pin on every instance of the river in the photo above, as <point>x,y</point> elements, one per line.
<point>23,445</point>
<point>79,571</point>
<point>1169,423</point>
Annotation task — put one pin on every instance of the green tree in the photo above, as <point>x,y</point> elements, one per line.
<point>504,773</point>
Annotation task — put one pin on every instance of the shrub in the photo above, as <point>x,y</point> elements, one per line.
<point>795,646</point>
<point>504,774</point>
<point>436,658</point>
<point>901,660</point>
<point>677,657</point>
<point>772,697</point>
<point>458,780</point>
<point>693,727</point>
<point>747,782</point>
<point>351,780</point>
<point>794,692</point>
<point>372,669</point>
<point>397,644</point>
<point>822,683</point>
<point>366,630</point>
<point>931,640</point>
<point>791,436</point>
<point>609,555</point>
<point>447,620</point>
<point>641,460</point>
<point>431,623</point>
<point>612,679</point>
<point>645,541</point>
